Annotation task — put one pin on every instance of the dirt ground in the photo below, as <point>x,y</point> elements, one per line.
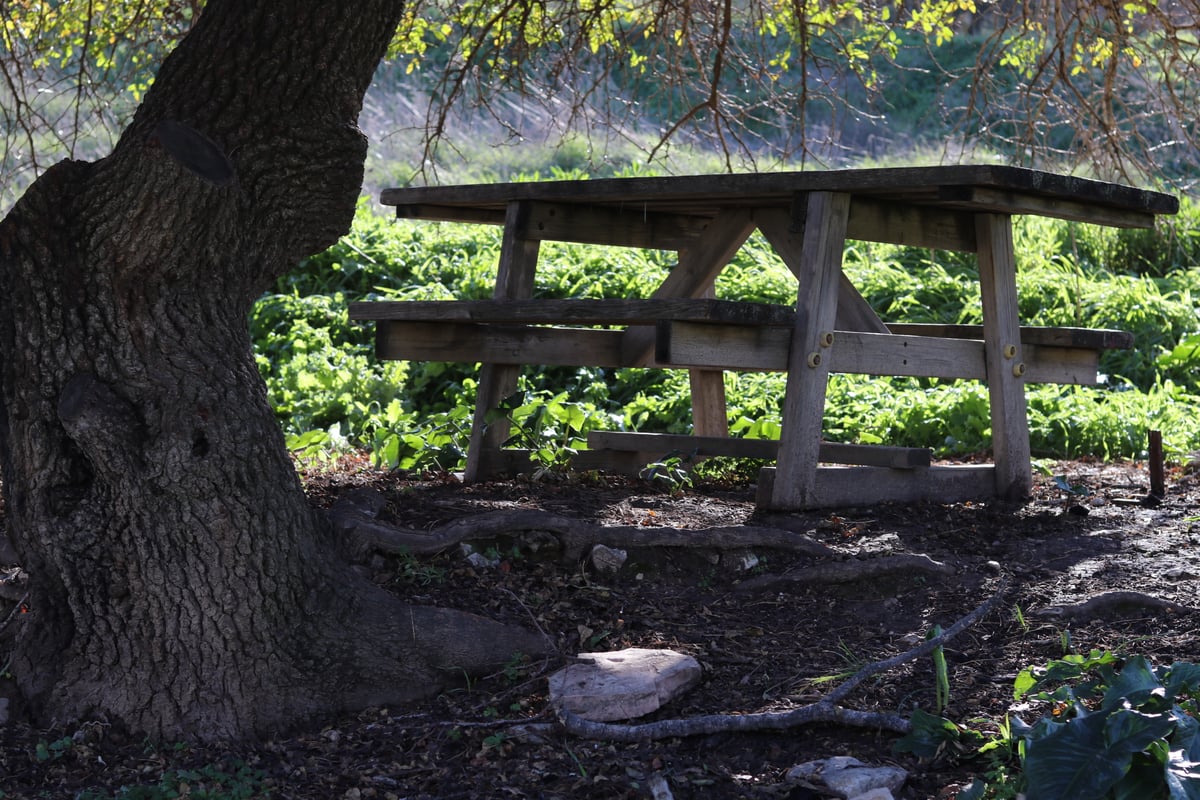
<point>779,646</point>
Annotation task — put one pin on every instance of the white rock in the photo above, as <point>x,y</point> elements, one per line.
<point>812,770</point>
<point>875,794</point>
<point>849,777</point>
<point>853,781</point>
<point>744,561</point>
<point>623,684</point>
<point>608,559</point>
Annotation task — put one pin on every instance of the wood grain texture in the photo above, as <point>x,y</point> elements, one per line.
<point>848,487</point>
<point>695,273</point>
<point>581,312</point>
<point>514,280</point>
<point>1003,356</point>
<point>816,259</point>
<point>751,349</point>
<point>830,452</point>
<point>471,343</point>
<point>1012,190</point>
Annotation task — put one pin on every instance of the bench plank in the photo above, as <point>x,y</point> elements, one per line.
<point>1093,338</point>
<point>467,342</point>
<point>646,312</point>
<point>746,349</point>
<point>580,312</point>
<point>859,486</point>
<point>766,449</point>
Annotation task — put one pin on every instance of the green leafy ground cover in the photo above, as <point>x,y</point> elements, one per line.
<point>332,394</point>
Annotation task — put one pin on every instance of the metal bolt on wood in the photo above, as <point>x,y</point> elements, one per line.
<point>814,359</point>
<point>1018,370</point>
<point>1010,351</point>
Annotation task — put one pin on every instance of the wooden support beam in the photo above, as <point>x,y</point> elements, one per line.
<point>911,225</point>
<point>514,280</point>
<point>436,213</point>
<point>749,349</point>
<point>1083,338</point>
<point>815,257</point>
<point>847,487</point>
<point>693,276</point>
<point>628,226</point>
<point>1005,202</point>
<point>854,313</point>
<point>1004,356</point>
<point>710,416</point>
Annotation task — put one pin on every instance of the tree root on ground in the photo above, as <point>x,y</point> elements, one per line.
<point>1111,604</point>
<point>824,710</point>
<point>356,518</point>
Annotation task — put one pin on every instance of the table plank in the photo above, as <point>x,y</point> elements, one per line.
<point>746,348</point>
<point>847,487</point>
<point>660,444</point>
<point>706,194</point>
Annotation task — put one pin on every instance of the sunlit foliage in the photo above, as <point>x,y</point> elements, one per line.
<point>1104,87</point>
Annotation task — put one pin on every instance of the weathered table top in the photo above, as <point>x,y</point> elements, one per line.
<point>972,187</point>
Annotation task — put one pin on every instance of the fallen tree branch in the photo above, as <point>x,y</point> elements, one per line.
<point>848,571</point>
<point>732,723</point>
<point>576,536</point>
<point>824,710</point>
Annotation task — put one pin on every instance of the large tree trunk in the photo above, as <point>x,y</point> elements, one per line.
<point>180,581</point>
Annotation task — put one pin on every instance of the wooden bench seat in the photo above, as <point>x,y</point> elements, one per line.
<point>576,312</point>
<point>712,335</point>
<point>717,335</point>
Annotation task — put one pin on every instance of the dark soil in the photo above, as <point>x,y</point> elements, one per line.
<point>767,650</point>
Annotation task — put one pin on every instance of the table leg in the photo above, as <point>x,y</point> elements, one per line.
<point>815,257</point>
<point>514,280</point>
<point>1003,356</point>
<point>710,416</point>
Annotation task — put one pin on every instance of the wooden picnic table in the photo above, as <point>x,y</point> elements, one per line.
<point>807,218</point>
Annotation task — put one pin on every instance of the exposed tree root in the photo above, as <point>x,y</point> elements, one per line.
<point>356,518</point>
<point>1112,604</point>
<point>824,710</point>
<point>846,572</point>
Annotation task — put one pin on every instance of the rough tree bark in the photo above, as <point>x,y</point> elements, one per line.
<point>180,582</point>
